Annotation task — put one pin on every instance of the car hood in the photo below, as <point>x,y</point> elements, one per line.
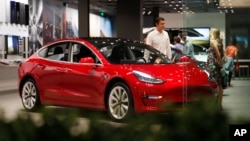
<point>173,72</point>
<point>201,58</point>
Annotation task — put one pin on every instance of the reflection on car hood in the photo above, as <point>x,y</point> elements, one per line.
<point>172,72</point>
<point>201,58</point>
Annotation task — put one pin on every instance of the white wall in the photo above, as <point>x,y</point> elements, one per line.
<point>5,9</point>
<point>212,20</point>
<point>173,20</point>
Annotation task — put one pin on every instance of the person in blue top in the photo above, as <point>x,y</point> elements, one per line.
<point>177,43</point>
<point>188,48</point>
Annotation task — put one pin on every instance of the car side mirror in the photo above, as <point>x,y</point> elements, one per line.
<point>89,60</point>
<point>185,59</point>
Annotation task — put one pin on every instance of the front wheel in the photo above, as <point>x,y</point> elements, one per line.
<point>119,102</point>
<point>30,95</point>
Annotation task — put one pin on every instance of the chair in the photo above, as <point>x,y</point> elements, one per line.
<point>58,50</point>
<point>116,55</point>
<point>83,52</point>
<point>244,71</point>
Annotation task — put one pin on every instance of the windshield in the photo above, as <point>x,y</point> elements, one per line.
<point>129,53</point>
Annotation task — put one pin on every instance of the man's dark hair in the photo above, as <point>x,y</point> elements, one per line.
<point>177,39</point>
<point>159,19</point>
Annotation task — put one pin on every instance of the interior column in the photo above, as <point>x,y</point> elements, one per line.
<point>129,19</point>
<point>83,12</point>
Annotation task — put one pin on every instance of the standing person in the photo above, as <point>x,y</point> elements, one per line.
<point>159,38</point>
<point>177,43</point>
<point>188,47</point>
<point>214,62</point>
<point>231,54</point>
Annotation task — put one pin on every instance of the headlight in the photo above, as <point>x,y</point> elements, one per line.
<point>147,78</point>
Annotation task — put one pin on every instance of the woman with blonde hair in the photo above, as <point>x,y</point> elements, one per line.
<point>214,60</point>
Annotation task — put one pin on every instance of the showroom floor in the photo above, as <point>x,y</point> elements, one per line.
<point>236,100</point>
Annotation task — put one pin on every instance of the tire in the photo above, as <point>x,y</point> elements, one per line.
<point>30,95</point>
<point>119,102</point>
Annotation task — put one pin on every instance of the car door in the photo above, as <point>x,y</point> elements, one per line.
<point>51,69</point>
<point>83,82</point>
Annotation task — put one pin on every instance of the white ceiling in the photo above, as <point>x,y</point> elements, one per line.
<point>235,3</point>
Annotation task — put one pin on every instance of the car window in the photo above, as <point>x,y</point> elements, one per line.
<point>80,51</point>
<point>121,53</point>
<point>149,55</point>
<point>42,52</point>
<point>125,53</point>
<point>199,50</point>
<point>57,52</point>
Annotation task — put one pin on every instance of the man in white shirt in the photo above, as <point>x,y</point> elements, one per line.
<point>159,38</point>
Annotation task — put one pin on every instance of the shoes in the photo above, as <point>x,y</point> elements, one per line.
<point>230,85</point>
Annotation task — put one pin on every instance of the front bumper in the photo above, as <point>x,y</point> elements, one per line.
<point>156,98</point>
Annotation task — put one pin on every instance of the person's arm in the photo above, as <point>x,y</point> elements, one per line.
<point>236,54</point>
<point>168,48</point>
<point>188,48</point>
<point>149,40</point>
<point>217,52</point>
<point>146,52</point>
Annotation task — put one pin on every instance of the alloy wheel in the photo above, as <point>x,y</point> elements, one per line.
<point>30,95</point>
<point>119,103</point>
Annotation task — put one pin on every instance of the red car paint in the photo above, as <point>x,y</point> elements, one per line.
<point>68,83</point>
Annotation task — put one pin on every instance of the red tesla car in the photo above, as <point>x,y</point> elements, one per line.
<point>117,75</point>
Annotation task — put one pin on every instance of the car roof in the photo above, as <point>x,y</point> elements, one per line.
<point>104,41</point>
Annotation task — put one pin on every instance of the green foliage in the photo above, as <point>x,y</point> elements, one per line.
<point>201,121</point>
